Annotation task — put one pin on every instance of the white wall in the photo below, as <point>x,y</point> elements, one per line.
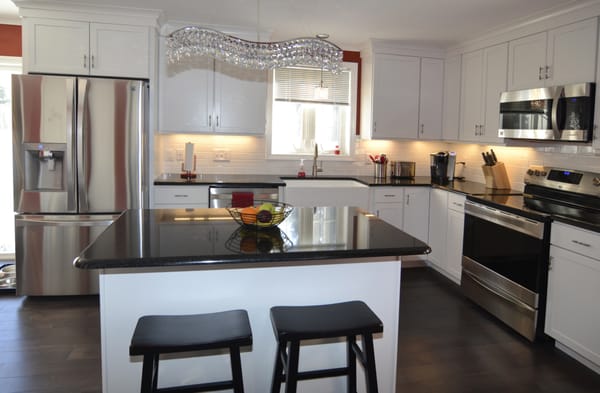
<point>247,155</point>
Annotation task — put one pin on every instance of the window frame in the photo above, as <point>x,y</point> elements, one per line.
<point>354,67</point>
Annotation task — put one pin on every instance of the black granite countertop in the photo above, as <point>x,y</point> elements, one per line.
<point>460,186</point>
<point>173,179</point>
<point>179,237</point>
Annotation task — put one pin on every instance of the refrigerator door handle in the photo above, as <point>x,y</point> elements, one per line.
<point>71,152</point>
<point>82,139</point>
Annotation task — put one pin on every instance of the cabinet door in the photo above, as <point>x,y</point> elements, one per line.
<point>572,53</point>
<point>416,212</point>
<point>395,96</point>
<point>390,213</point>
<point>431,98</point>
<point>495,72</point>
<point>119,50</point>
<point>527,62</point>
<point>451,104</point>
<point>438,208</point>
<point>572,308</point>
<point>56,46</point>
<point>454,242</point>
<point>471,95</point>
<point>240,99</point>
<point>185,100</point>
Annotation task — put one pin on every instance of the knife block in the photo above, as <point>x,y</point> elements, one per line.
<point>495,176</point>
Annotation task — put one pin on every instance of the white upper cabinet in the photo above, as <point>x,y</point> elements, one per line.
<point>208,96</point>
<point>84,48</point>
<point>119,50</point>
<point>563,55</point>
<point>395,96</point>
<point>185,99</point>
<point>483,79</point>
<point>431,98</point>
<point>402,97</point>
<point>240,99</point>
<point>451,101</point>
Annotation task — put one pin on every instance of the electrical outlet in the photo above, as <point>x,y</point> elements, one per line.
<point>221,155</point>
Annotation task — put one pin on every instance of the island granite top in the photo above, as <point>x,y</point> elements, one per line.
<point>180,237</point>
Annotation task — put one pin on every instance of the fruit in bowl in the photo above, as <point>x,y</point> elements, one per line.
<point>265,215</point>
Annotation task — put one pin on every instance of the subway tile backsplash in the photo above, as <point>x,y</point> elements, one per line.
<point>247,154</point>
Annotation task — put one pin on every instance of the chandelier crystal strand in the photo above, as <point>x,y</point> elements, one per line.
<point>188,42</point>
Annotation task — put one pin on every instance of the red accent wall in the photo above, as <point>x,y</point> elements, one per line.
<point>10,40</point>
<point>354,57</point>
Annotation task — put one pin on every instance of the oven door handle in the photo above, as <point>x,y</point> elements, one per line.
<point>504,296</point>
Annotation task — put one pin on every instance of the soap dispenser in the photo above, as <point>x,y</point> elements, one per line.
<point>301,172</point>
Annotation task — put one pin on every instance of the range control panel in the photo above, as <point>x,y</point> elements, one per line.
<point>581,182</point>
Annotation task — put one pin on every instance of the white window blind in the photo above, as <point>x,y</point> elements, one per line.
<point>297,84</point>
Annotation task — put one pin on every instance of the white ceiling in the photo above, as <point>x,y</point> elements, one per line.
<point>349,22</point>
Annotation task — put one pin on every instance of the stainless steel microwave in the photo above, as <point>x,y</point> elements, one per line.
<point>557,113</point>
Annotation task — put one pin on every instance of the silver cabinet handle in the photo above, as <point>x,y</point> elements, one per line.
<point>210,120</point>
<point>481,130</point>
<point>540,73</point>
<point>84,61</point>
<point>217,120</point>
<point>181,196</point>
<point>581,243</point>
<point>547,75</point>
<point>422,128</point>
<point>374,126</point>
<point>407,199</point>
<point>92,61</point>
<point>458,204</point>
<point>389,195</point>
<point>476,129</point>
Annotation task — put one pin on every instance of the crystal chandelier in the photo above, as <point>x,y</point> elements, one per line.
<point>189,42</point>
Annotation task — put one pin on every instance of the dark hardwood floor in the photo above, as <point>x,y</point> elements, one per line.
<point>447,345</point>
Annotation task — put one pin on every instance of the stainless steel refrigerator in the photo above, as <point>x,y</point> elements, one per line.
<point>79,160</point>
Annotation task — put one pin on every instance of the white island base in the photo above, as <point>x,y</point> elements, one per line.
<point>127,294</point>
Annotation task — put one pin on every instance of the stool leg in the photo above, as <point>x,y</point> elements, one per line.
<point>149,374</point>
<point>351,363</point>
<point>291,375</point>
<point>278,368</point>
<point>370,370</point>
<point>236,369</point>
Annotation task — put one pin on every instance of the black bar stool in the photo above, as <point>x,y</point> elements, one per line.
<point>158,334</point>
<point>295,323</point>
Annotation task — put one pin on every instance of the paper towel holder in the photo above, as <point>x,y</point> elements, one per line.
<point>188,174</point>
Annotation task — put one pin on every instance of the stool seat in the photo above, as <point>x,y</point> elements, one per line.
<point>324,321</point>
<point>180,333</point>
<point>292,324</point>
<point>159,334</point>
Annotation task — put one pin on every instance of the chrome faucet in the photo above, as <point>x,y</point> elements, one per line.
<point>315,167</point>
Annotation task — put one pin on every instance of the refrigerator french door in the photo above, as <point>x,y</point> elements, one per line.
<point>80,157</point>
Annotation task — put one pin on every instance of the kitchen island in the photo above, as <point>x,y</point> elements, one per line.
<point>184,261</point>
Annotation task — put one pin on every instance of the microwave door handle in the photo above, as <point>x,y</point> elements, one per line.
<point>560,90</point>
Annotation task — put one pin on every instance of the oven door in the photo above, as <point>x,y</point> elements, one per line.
<point>504,267</point>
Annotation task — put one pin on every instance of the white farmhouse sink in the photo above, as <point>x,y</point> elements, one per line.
<point>326,192</point>
<point>324,183</point>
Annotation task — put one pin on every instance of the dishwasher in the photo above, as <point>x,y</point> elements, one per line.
<point>236,196</point>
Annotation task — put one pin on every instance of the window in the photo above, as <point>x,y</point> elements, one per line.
<point>303,115</point>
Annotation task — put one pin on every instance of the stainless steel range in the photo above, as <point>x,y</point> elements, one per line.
<point>507,239</point>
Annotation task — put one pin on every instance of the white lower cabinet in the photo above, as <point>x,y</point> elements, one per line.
<point>180,197</point>
<point>446,224</point>
<point>406,208</point>
<point>572,307</point>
